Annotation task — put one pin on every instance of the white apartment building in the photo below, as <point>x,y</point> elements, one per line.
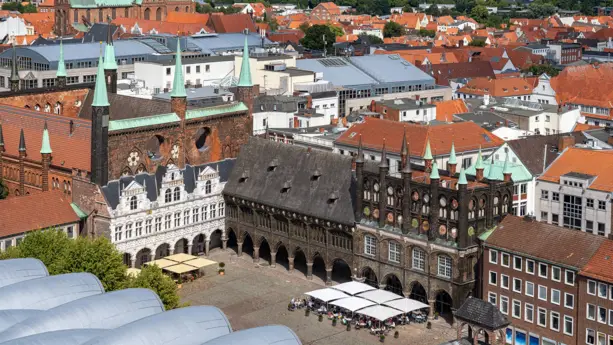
<point>172,211</point>
<point>276,74</point>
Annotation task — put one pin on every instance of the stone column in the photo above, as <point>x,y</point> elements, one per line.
<point>291,263</point>
<point>207,244</point>
<point>431,310</point>
<point>240,248</point>
<point>133,262</point>
<point>189,249</point>
<point>224,244</point>
<point>406,293</point>
<point>273,259</point>
<point>256,255</point>
<point>171,251</point>
<point>328,276</point>
<point>309,270</point>
<point>476,339</point>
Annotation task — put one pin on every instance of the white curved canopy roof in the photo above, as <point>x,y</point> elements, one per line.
<point>327,294</point>
<point>353,288</point>
<point>379,296</point>
<point>380,312</point>
<point>406,305</point>
<point>15,270</point>
<point>266,335</point>
<point>66,337</point>
<point>352,303</point>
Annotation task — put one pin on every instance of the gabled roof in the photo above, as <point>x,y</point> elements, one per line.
<point>584,161</point>
<point>531,150</point>
<point>443,72</point>
<point>588,85</point>
<point>505,87</point>
<point>309,182</point>
<point>187,18</point>
<point>599,266</point>
<point>544,241</point>
<point>481,313</point>
<point>235,23</point>
<point>446,109</point>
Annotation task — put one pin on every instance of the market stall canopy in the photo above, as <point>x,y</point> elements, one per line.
<point>327,294</point>
<point>133,272</point>
<point>180,257</point>
<point>379,296</point>
<point>352,303</point>
<point>161,263</point>
<point>180,268</point>
<point>353,288</point>
<point>406,305</point>
<point>380,312</point>
<point>199,262</point>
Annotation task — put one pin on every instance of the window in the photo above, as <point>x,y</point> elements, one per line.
<point>517,285</point>
<point>167,70</point>
<point>556,273</point>
<point>493,278</point>
<point>207,187</point>
<point>394,252</point>
<point>212,212</point>
<point>195,215</point>
<point>602,205</point>
<point>197,68</point>
<point>544,194</point>
<point>542,270</point>
<point>138,229</point>
<point>570,277</point>
<point>516,309</point>
<point>542,293</point>
<point>602,290</point>
<point>590,312</point>
<point>205,212</point>
<point>572,211</point>
<point>118,229</point>
<point>186,217</point>
<point>504,305</point>
<point>207,68</point>
<point>589,336</point>
<point>505,258</point>
<point>221,209</point>
<point>158,224</point>
<point>601,231</point>
<point>589,226</point>
<point>467,162</point>
<point>568,325</point>
<point>419,259</point>
<point>530,266</point>
<point>504,281</point>
<point>555,196</point>
<point>529,289</point>
<point>589,203</point>
<point>569,300</point>
<point>491,297</point>
<point>554,321</point>
<point>542,317</point>
<point>555,296</point>
<point>133,203</point>
<point>544,216</point>
<point>528,312</point>
<point>177,219</point>
<point>555,219</point>
<point>493,256</point>
<point>148,226</point>
<point>168,195</point>
<point>370,245</point>
<point>177,194</point>
<point>610,317</point>
<point>444,266</point>
<point>602,315</point>
<point>167,221</point>
<point>188,70</point>
<point>517,262</point>
<point>591,287</point>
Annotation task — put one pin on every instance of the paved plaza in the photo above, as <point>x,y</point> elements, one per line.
<point>254,295</point>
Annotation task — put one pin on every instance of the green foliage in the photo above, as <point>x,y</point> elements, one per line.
<point>393,29</point>
<point>370,39</point>
<point>152,277</point>
<point>540,69</point>
<point>304,27</point>
<point>17,6</point>
<point>209,7</point>
<point>477,43</point>
<point>541,10</point>
<point>338,32</point>
<point>433,10</point>
<point>49,246</point>
<point>479,13</point>
<point>373,7</point>
<point>426,33</point>
<point>313,38</point>
<point>465,6</point>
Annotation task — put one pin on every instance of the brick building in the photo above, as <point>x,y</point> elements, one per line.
<point>326,11</point>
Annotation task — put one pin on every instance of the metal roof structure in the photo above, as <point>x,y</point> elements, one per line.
<point>123,317</point>
<point>228,41</point>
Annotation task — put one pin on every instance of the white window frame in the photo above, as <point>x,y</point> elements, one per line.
<point>572,325</point>
<point>393,253</point>
<point>502,300</point>
<point>539,269</point>
<point>520,285</point>
<point>526,288</point>
<point>589,283</point>
<point>606,293</point>
<point>551,315</point>
<point>370,245</point>
<point>494,254</point>
<point>538,317</point>
<point>493,295</point>
<point>419,259</point>
<point>598,309</point>
<point>566,277</point>
<point>610,317</point>
<point>526,313</point>
<point>533,266</point>
<point>553,268</point>
<point>502,256</point>
<point>559,296</point>
<point>443,265</point>
<point>538,293</point>
<point>521,263</point>
<point>587,311</point>
<point>513,309</point>
<point>573,297</point>
<point>490,278</point>
<point>502,276</point>
<point>587,332</point>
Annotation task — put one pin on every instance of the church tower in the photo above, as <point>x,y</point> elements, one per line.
<point>61,69</point>
<point>178,102</point>
<point>244,89</point>
<point>100,130</point>
<point>14,79</point>
<point>110,62</point>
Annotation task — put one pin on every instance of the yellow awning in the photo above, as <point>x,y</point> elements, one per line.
<point>133,272</point>
<point>180,268</point>
<point>180,257</point>
<point>200,262</point>
<point>161,263</point>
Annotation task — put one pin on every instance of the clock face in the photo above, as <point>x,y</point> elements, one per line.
<point>376,187</point>
<point>390,190</point>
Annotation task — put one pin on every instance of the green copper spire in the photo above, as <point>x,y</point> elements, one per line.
<point>46,146</point>
<point>434,174</point>
<point>428,153</point>
<point>462,178</point>
<point>491,174</point>
<point>61,66</point>
<point>110,63</point>
<point>101,98</point>
<point>244,79</point>
<point>178,84</point>
<point>479,164</point>
<point>506,169</point>
<point>452,157</point>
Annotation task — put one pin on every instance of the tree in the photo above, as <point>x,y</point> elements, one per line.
<point>370,39</point>
<point>49,246</point>
<point>540,69</point>
<point>465,6</point>
<point>433,11</point>
<point>477,43</point>
<point>479,13</point>
<point>426,33</point>
<point>338,31</point>
<point>29,8</point>
<point>152,277</point>
<point>304,27</point>
<point>393,29</point>
<point>314,38</point>
<point>17,6</point>
<point>541,10</point>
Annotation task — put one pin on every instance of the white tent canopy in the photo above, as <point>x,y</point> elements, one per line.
<point>380,312</point>
<point>327,294</point>
<point>352,303</point>
<point>353,288</point>
<point>406,305</point>
<point>379,296</point>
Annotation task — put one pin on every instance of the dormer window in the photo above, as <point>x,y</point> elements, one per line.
<point>168,195</point>
<point>133,203</point>
<point>316,175</point>
<point>244,177</point>
<point>332,198</point>
<point>273,165</point>
<point>286,187</point>
<point>207,187</point>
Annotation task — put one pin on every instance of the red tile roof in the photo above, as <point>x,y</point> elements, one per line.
<point>34,212</point>
<point>232,23</point>
<point>42,22</point>
<point>466,136</point>
<point>585,161</point>
<point>589,85</point>
<point>69,151</point>
<point>187,18</point>
<point>599,266</point>
<point>446,109</point>
<point>505,87</point>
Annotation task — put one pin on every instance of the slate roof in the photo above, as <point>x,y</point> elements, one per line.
<point>482,313</point>
<point>111,191</point>
<point>98,32</point>
<point>264,169</point>
<point>443,72</point>
<point>531,150</point>
<point>126,107</point>
<point>545,241</point>
<point>284,104</point>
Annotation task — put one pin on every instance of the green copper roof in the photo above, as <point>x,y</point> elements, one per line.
<point>428,153</point>
<point>484,236</point>
<point>245,76</point>
<point>61,66</point>
<point>109,57</point>
<point>101,98</point>
<point>46,145</point>
<point>178,84</point>
<point>462,178</point>
<point>78,211</point>
<point>118,125</point>
<point>452,157</point>
<point>100,3</point>
<point>506,169</point>
<point>492,173</point>
<point>434,174</point>
<point>80,27</point>
<point>216,110</point>
<point>479,164</point>
<point>495,171</point>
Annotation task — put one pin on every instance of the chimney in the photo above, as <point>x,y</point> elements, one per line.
<point>309,102</point>
<point>610,140</point>
<point>565,141</point>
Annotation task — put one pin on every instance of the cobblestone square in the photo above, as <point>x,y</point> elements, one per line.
<point>254,295</point>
